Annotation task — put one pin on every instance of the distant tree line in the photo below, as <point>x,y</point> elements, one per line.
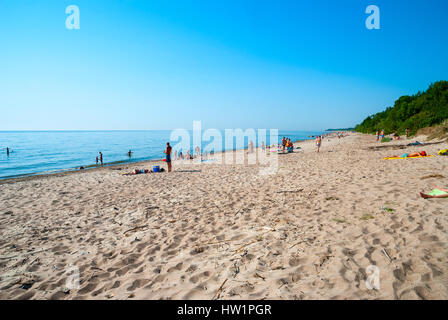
<point>414,112</point>
<point>341,129</point>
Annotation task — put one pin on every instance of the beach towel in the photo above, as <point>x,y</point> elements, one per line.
<point>396,158</point>
<point>443,152</point>
<point>437,192</point>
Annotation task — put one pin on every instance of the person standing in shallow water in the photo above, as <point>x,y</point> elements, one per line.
<point>7,151</point>
<point>168,156</point>
<point>101,158</point>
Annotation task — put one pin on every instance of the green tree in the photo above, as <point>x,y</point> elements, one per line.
<point>421,110</point>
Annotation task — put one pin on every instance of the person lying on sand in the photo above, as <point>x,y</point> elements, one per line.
<point>137,171</point>
<point>435,193</point>
<point>411,155</point>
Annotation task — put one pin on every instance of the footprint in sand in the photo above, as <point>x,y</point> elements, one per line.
<point>137,284</point>
<point>177,267</point>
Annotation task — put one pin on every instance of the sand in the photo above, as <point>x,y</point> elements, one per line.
<point>309,231</point>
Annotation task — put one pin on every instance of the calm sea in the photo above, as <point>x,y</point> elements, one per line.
<point>38,152</point>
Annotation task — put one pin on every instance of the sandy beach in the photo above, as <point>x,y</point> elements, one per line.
<point>210,231</point>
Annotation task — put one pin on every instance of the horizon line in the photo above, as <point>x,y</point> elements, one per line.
<point>98,130</point>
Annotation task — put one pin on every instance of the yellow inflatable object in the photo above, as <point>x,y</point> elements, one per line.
<point>396,158</point>
<point>443,152</point>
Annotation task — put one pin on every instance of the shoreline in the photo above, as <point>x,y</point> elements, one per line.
<point>93,167</point>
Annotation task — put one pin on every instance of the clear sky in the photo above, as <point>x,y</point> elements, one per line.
<point>291,65</point>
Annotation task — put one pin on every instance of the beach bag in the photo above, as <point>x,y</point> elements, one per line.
<point>443,152</point>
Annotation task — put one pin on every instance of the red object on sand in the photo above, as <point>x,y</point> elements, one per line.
<point>164,160</point>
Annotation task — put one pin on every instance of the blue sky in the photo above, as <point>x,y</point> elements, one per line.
<point>291,65</point>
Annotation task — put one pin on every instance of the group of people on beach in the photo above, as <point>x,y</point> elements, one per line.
<point>182,156</point>
<point>377,134</point>
<point>100,158</point>
<point>167,159</point>
<point>320,138</point>
<point>287,144</point>
<point>190,156</point>
<point>395,136</point>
